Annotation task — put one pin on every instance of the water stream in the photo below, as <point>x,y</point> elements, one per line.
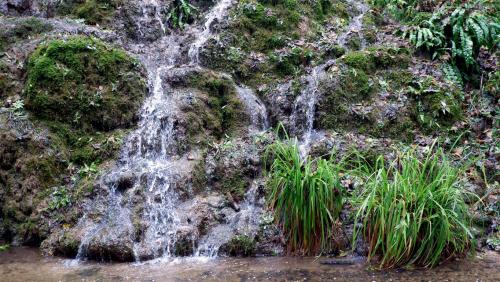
<point>302,118</point>
<point>22,264</point>
<point>149,160</point>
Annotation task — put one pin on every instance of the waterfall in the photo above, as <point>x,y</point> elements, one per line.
<point>356,24</point>
<point>302,118</point>
<point>217,13</point>
<point>254,107</point>
<point>149,161</point>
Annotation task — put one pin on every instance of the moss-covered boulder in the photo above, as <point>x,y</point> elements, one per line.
<point>81,96</point>
<point>92,11</point>
<point>85,83</point>
<point>212,109</point>
<point>265,41</point>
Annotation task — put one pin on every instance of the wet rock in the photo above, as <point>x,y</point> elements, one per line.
<point>63,243</point>
<point>113,243</point>
<point>125,182</point>
<point>239,246</point>
<point>186,241</point>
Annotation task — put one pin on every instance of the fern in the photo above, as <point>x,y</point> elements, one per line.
<point>181,13</point>
<point>429,37</point>
<point>459,31</point>
<point>452,73</point>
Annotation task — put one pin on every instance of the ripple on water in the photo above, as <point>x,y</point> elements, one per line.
<point>25,264</point>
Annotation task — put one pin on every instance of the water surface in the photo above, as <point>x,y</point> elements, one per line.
<point>26,264</point>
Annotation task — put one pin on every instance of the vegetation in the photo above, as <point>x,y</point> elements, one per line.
<point>412,211</point>
<point>240,245</point>
<point>306,197</point>
<point>84,83</point>
<point>92,11</point>
<point>181,13</point>
<point>458,29</point>
<point>60,198</point>
<point>22,29</point>
<point>4,247</point>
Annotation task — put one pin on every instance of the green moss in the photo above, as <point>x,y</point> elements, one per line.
<point>374,58</point>
<point>353,86</point>
<point>366,72</point>
<point>493,84</point>
<point>335,51</point>
<point>288,63</point>
<point>240,245</point>
<point>268,27</point>
<point>85,83</point>
<point>92,11</point>
<point>234,183</point>
<point>22,28</point>
<point>216,112</point>
<point>437,106</point>
<point>360,60</point>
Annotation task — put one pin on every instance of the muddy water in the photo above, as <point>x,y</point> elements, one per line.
<point>23,264</point>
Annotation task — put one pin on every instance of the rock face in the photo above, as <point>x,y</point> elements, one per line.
<point>125,138</point>
<point>45,135</point>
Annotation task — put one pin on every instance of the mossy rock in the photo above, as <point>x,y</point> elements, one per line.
<point>92,11</point>
<point>354,87</point>
<point>267,28</point>
<point>240,245</point>
<point>438,106</point>
<point>20,29</point>
<point>216,111</point>
<point>289,63</point>
<point>374,58</point>
<point>84,82</point>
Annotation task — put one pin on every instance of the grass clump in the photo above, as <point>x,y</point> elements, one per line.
<point>306,197</point>
<point>412,212</point>
<point>240,245</point>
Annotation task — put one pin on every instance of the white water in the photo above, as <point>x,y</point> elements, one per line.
<point>255,109</point>
<point>149,153</point>
<point>218,12</point>
<point>305,104</point>
<point>355,25</point>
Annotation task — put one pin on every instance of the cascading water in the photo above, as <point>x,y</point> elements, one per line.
<point>305,104</point>
<point>149,163</point>
<point>255,108</point>
<point>246,221</point>
<point>304,107</point>
<point>356,24</point>
<point>218,12</point>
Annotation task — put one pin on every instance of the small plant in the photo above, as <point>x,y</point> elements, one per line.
<point>60,198</point>
<point>306,197</point>
<point>428,36</point>
<point>17,110</point>
<point>181,13</point>
<point>241,245</point>
<point>412,211</point>
<point>88,170</point>
<point>4,247</point>
<point>469,31</point>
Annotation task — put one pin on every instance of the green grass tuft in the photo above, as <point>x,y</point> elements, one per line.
<point>306,197</point>
<point>412,212</point>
